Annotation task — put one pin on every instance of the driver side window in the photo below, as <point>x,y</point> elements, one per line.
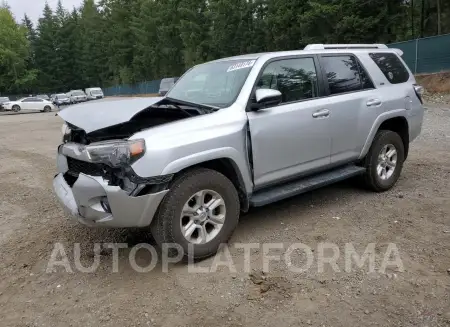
<point>296,79</point>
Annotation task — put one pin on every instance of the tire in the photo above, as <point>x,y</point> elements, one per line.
<point>382,180</point>
<point>168,224</point>
<point>47,109</point>
<point>16,108</point>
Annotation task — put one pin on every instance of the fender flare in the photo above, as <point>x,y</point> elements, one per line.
<point>376,125</point>
<point>230,153</point>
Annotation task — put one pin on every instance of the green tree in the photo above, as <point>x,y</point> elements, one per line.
<point>194,25</point>
<point>14,52</point>
<point>46,51</point>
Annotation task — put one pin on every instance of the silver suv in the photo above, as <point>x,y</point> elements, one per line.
<point>237,133</point>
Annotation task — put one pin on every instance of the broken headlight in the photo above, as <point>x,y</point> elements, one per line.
<point>116,153</point>
<point>65,129</point>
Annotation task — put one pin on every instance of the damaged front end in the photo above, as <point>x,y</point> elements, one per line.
<point>96,194</point>
<point>96,182</point>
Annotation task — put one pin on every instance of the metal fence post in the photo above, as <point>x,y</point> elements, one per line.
<point>417,51</point>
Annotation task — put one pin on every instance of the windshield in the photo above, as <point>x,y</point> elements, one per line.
<point>62,95</point>
<point>4,99</point>
<point>78,93</point>
<point>216,84</point>
<point>97,91</point>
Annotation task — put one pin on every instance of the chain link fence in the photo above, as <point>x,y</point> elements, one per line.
<point>427,55</point>
<point>150,87</point>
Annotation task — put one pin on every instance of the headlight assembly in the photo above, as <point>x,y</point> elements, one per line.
<point>65,129</point>
<point>116,153</point>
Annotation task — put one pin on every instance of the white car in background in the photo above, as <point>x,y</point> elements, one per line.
<point>94,93</point>
<point>31,103</point>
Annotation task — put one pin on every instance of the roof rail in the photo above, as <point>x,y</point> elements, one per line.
<point>344,46</point>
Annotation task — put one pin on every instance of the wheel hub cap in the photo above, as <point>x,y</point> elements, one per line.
<point>202,217</point>
<point>387,161</point>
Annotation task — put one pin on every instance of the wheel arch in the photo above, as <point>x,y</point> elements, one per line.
<point>393,121</point>
<point>231,166</point>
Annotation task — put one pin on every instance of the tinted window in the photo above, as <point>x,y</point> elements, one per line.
<point>344,74</point>
<point>28,100</point>
<point>296,79</point>
<point>391,66</point>
<point>365,79</point>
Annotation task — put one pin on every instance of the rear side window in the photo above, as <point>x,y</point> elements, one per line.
<point>344,74</point>
<point>391,66</point>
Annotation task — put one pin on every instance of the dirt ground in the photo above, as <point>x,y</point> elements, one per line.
<point>415,216</point>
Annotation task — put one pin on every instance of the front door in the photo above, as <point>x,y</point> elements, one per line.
<point>292,138</point>
<point>26,104</point>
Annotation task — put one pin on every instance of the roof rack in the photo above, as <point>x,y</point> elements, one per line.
<point>344,46</point>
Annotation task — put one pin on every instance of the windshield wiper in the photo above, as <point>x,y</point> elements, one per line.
<point>203,107</point>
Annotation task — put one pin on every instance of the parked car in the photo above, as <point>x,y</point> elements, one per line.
<point>32,103</point>
<point>2,101</point>
<point>61,99</point>
<point>94,93</point>
<point>43,97</point>
<point>259,129</point>
<point>77,96</point>
<point>166,84</point>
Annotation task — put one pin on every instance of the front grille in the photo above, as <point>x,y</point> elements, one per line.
<point>77,166</point>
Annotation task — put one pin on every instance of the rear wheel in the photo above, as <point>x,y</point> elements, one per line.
<point>199,213</point>
<point>384,162</point>
<point>16,108</point>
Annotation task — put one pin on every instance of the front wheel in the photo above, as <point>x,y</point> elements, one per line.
<point>16,108</point>
<point>47,109</point>
<point>199,213</point>
<point>384,162</point>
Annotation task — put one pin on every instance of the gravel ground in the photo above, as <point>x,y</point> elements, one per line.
<point>414,216</point>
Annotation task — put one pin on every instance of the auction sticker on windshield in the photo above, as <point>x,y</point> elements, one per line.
<point>241,65</point>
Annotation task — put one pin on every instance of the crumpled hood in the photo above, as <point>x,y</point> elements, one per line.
<point>92,116</point>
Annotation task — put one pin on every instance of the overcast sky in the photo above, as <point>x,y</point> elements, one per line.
<point>34,8</point>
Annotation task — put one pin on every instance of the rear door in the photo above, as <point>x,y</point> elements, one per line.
<point>291,138</point>
<point>354,101</point>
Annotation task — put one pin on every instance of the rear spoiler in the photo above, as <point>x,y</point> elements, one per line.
<point>398,51</point>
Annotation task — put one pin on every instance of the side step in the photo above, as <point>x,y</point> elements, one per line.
<point>303,185</point>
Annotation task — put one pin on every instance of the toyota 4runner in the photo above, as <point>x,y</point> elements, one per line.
<point>237,133</point>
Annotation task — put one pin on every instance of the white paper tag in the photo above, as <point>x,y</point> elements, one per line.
<point>241,65</point>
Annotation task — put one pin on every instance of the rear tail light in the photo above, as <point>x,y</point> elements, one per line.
<point>419,92</point>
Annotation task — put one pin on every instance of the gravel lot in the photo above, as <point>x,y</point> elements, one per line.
<point>415,215</point>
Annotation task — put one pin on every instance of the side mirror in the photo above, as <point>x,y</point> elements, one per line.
<point>266,98</point>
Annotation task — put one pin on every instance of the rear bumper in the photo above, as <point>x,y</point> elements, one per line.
<point>91,201</point>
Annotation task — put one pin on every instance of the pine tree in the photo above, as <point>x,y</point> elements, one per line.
<point>194,27</point>
<point>46,56</point>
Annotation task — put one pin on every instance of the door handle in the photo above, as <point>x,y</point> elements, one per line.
<point>321,113</point>
<point>373,102</point>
